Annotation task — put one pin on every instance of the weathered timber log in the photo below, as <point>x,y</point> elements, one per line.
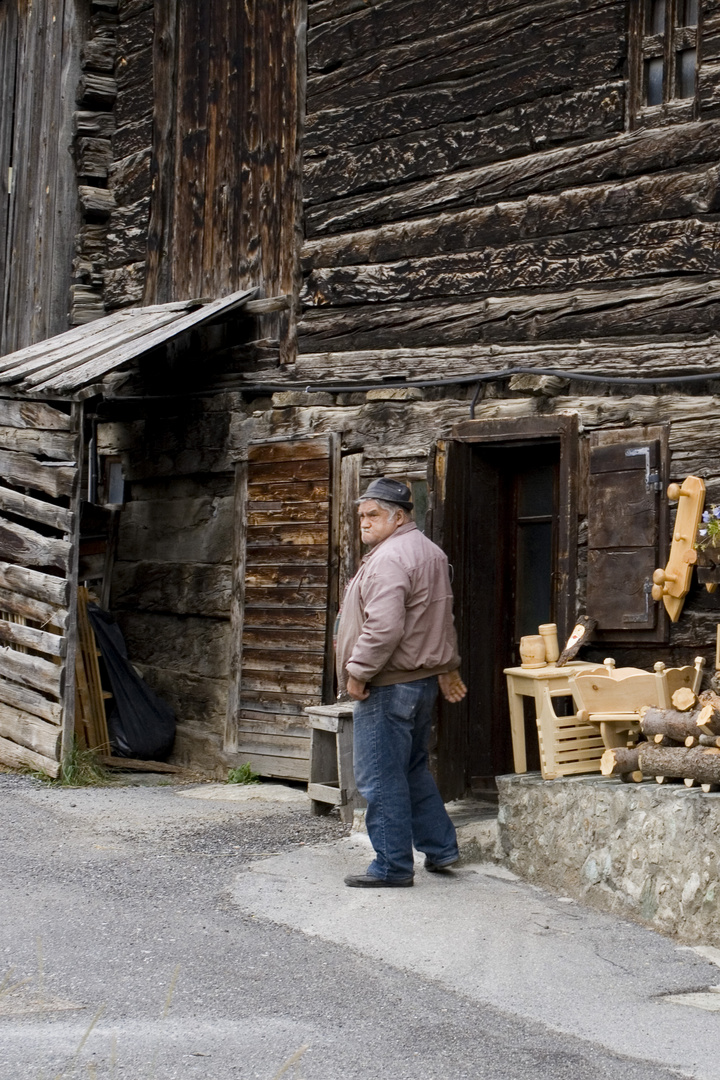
<point>96,201</point>
<point>94,157</point>
<point>20,757</point>
<point>98,54</point>
<point>45,614</point>
<point>94,124</point>
<point>22,470</point>
<point>36,510</point>
<point>126,233</point>
<point>700,763</point>
<point>640,199</point>
<point>28,548</point>
<point>29,637</point>
<point>644,151</point>
<point>480,46</point>
<point>33,414</point>
<point>677,725</point>
<point>30,701</point>
<point>97,91</point>
<point>31,671</point>
<point>709,740</point>
<point>30,732</point>
<point>51,444</point>
<point>485,88</point>
<point>621,358</point>
<point>44,587</point>
<point>342,171</point>
<point>584,257</point>
<point>619,760</point>
<point>678,306</point>
<point>130,178</point>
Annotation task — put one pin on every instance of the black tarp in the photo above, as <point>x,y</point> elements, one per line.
<point>140,724</point>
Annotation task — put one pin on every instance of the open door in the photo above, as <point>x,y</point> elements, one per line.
<point>504,511</point>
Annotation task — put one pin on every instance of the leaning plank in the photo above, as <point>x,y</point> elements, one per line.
<point>45,587</point>
<point>40,640</point>
<point>30,671</point>
<point>19,757</point>
<point>36,510</point>
<point>29,548</point>
<point>45,614</point>
<point>22,470</point>
<point>52,444</point>
<point>30,732</point>
<point>33,414</point>
<point>29,701</point>
<point>296,768</point>
<point>140,766</point>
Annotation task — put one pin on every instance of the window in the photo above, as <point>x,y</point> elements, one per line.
<point>664,59</point>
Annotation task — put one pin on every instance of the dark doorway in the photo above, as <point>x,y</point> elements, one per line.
<point>507,525</point>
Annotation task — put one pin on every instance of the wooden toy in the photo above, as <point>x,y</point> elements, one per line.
<point>671,585</point>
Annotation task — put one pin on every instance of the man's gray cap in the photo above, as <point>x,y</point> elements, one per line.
<point>389,491</point>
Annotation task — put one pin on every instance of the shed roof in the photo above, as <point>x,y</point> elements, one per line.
<point>76,364</point>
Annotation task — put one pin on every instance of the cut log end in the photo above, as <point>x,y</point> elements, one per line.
<point>683,699</point>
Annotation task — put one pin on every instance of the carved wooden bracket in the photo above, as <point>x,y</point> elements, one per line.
<point>672,584</point>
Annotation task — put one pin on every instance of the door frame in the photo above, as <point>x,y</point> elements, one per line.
<point>565,429</point>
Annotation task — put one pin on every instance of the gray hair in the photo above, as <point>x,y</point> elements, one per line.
<point>393,509</point>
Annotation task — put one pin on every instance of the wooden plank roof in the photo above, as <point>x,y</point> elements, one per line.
<point>74,364</point>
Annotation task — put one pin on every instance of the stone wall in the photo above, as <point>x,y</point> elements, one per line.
<point>643,851</point>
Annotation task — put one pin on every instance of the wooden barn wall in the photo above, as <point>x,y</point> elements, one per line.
<point>474,175</point>
<point>39,71</point>
<point>225,163</point>
<point>171,588</point>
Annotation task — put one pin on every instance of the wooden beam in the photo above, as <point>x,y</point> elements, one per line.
<point>20,757</point>
<point>30,732</point>
<point>28,548</point>
<point>28,637</point>
<point>36,510</point>
<point>44,587</point>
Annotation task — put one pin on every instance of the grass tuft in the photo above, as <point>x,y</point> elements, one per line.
<point>243,775</point>
<point>80,768</point>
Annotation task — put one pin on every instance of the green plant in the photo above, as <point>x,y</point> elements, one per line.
<point>243,775</point>
<point>80,768</point>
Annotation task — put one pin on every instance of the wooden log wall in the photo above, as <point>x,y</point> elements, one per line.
<point>39,72</point>
<point>39,451</point>
<point>172,576</point>
<point>447,212</point>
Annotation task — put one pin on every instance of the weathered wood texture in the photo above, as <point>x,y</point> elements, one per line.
<point>39,70</point>
<point>289,593</point>
<point>38,549</point>
<point>225,170</point>
<point>509,203</point>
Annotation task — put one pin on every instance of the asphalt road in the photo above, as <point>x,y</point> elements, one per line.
<point>150,934</point>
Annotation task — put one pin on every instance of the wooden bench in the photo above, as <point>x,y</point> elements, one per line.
<point>332,780</point>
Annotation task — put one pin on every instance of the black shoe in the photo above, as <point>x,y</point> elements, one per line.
<point>367,881</point>
<point>440,868</point>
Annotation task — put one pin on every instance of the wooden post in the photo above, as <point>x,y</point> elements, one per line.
<point>237,607</point>
<point>68,689</point>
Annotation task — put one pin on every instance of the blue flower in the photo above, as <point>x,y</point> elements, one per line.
<point>706,516</point>
<point>702,532</point>
<point>716,511</point>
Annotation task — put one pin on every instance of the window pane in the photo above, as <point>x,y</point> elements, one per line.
<point>534,578</point>
<point>655,17</point>
<point>685,83</point>
<point>688,13</point>
<point>536,489</point>
<point>654,81</point>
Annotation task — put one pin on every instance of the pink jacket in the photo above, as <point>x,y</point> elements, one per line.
<point>396,623</point>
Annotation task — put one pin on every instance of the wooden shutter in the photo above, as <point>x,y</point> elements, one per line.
<point>289,582</point>
<point>626,530</point>
<point>40,451</point>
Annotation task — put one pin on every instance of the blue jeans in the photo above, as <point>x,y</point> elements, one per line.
<point>391,731</point>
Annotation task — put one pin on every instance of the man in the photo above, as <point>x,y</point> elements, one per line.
<point>396,642</point>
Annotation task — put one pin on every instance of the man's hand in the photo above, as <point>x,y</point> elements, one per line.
<point>357,689</point>
<point>451,686</point>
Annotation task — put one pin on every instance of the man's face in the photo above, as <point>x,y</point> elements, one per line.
<point>376,523</point>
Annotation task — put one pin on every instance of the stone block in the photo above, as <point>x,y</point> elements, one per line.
<point>396,393</point>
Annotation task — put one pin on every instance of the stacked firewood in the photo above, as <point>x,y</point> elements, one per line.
<point>680,743</point>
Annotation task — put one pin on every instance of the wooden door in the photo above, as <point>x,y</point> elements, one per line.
<point>503,509</point>
<point>40,458</point>
<point>285,601</point>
